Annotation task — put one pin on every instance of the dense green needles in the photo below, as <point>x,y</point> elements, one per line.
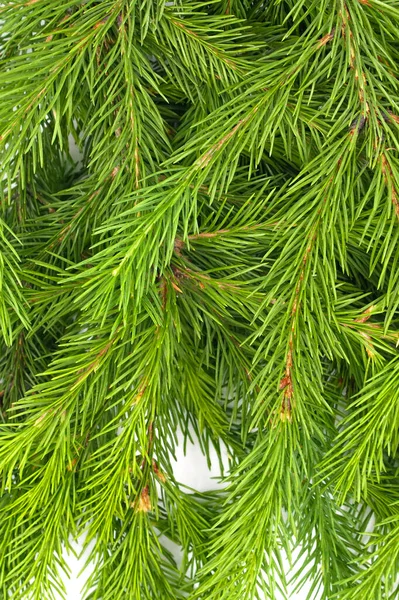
<point>222,260</point>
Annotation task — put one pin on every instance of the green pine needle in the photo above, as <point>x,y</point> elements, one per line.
<point>199,232</point>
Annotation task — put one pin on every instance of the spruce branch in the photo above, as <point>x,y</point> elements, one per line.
<point>220,259</point>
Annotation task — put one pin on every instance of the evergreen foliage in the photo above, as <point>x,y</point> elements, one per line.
<point>223,259</point>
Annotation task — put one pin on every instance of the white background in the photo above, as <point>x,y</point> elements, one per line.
<point>191,470</point>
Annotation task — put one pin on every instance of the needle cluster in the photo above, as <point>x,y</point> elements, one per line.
<point>222,260</point>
